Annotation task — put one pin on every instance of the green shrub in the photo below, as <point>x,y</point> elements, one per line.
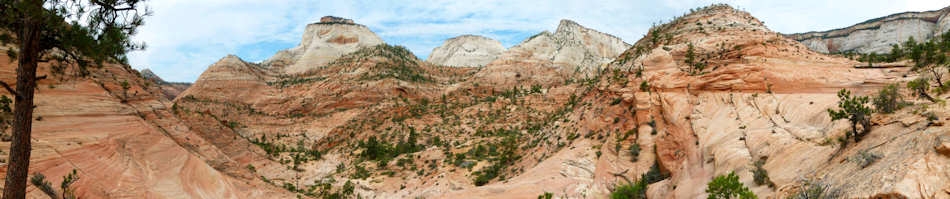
<point>695,67</point>
<point>125,85</point>
<point>505,156</point>
<point>816,190</point>
<point>379,150</point>
<point>39,180</point>
<point>289,81</point>
<point>486,175</point>
<point>727,187</point>
<point>360,172</point>
<point>348,188</point>
<point>864,158</point>
<point>760,175</point>
<point>616,101</point>
<point>636,190</point>
<point>546,195</point>
<point>887,100</point>
<point>654,174</point>
<point>68,181</point>
<point>634,152</point>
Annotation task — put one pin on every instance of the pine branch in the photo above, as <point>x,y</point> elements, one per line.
<point>10,89</point>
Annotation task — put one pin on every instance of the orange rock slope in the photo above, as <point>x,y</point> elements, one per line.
<point>123,143</point>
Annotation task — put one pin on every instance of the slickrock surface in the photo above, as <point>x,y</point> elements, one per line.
<point>877,35</point>
<point>466,51</point>
<point>124,143</point>
<point>765,99</point>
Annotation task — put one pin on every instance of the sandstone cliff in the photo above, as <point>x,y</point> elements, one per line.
<point>877,35</point>
<point>571,52</point>
<point>466,50</point>
<point>323,42</point>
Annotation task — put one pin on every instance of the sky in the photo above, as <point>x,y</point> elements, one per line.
<point>184,37</point>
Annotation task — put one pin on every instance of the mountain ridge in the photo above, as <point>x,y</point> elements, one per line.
<point>466,50</point>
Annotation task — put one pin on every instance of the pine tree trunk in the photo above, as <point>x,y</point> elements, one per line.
<point>19,162</point>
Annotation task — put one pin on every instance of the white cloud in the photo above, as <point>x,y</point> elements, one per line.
<point>185,36</point>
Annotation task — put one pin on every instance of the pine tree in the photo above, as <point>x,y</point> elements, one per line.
<point>64,33</point>
<point>855,109</point>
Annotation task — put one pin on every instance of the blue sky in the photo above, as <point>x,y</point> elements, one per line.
<point>184,37</point>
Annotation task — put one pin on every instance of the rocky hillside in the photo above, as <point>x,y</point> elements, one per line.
<point>721,93</point>
<point>285,118</point>
<point>315,127</point>
<point>169,89</point>
<point>877,35</point>
<point>466,51</point>
<point>116,130</point>
<point>574,114</point>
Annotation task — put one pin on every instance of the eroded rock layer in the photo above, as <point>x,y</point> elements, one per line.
<point>877,35</point>
<point>124,142</point>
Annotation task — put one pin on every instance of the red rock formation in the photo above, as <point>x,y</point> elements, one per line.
<point>125,143</point>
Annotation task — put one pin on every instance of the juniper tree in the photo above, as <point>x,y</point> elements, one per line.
<point>63,33</point>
